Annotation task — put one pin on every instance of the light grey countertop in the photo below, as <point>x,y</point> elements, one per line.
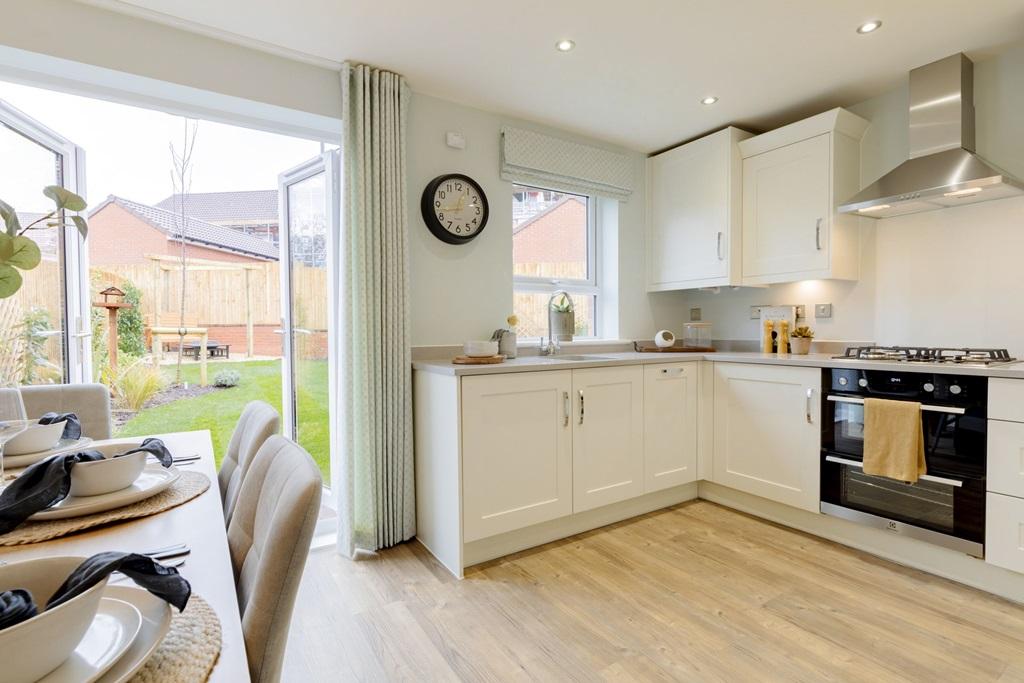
<point>534,363</point>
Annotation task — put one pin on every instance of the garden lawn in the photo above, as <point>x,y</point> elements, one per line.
<point>218,410</point>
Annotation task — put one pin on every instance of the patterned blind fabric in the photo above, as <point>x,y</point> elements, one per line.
<point>536,159</point>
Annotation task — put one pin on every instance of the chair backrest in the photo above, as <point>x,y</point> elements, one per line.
<point>269,538</point>
<point>90,402</point>
<point>257,423</point>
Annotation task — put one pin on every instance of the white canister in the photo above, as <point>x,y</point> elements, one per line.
<point>664,339</point>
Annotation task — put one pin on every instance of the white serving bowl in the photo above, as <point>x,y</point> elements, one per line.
<point>34,439</point>
<point>480,349</point>
<point>112,474</point>
<point>34,648</point>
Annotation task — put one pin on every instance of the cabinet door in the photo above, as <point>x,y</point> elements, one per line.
<point>689,213</point>
<point>608,439</point>
<point>516,451</point>
<point>767,438</point>
<point>670,425</point>
<point>1004,531</point>
<point>1005,456</point>
<point>787,211</point>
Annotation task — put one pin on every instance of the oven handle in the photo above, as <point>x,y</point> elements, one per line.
<point>923,477</point>
<point>924,407</point>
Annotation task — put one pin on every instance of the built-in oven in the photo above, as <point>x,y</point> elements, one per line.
<point>947,505</point>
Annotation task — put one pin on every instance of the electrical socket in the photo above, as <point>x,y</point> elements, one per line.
<point>694,314</point>
<point>801,311</point>
<point>822,310</point>
<point>755,312</point>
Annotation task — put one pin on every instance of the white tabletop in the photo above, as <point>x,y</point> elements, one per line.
<point>200,524</point>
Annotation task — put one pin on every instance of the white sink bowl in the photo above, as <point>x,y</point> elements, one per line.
<point>34,648</point>
<point>112,474</point>
<point>34,439</point>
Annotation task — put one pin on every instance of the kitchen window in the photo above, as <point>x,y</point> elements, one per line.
<point>554,247</point>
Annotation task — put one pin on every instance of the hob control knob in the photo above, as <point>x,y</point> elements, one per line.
<point>862,382</point>
<point>955,389</point>
<point>928,386</point>
<point>843,381</point>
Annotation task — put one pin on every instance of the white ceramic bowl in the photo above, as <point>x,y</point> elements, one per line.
<point>35,439</point>
<point>35,647</point>
<point>112,474</point>
<point>480,349</point>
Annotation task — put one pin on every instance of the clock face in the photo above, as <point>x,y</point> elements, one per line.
<point>454,207</point>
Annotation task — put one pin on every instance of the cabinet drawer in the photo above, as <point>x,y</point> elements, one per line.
<point>1004,532</point>
<point>1006,399</point>
<point>1006,458</point>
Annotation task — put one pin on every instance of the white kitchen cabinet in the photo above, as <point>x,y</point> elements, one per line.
<point>670,425</point>
<point>1006,458</point>
<point>1006,399</point>
<point>1004,531</point>
<point>608,436</point>
<point>517,444</point>
<point>694,211</point>
<point>793,180</point>
<point>767,438</point>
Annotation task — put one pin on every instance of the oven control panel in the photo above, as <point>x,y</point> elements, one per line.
<point>926,387</point>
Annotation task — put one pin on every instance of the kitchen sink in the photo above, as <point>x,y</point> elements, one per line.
<point>579,358</point>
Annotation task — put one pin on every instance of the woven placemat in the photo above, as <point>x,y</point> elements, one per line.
<point>188,486</point>
<point>190,649</point>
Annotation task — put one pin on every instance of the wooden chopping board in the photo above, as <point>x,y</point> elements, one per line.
<point>679,348</point>
<point>486,360</point>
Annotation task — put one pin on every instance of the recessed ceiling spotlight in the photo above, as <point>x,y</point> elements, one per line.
<point>869,26</point>
<point>711,99</point>
<point>564,45</point>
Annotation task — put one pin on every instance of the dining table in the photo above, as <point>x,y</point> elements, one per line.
<point>199,523</point>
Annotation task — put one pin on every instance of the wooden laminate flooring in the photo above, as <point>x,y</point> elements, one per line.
<point>697,592</point>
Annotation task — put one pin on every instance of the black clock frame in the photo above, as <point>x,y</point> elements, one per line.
<point>434,225</point>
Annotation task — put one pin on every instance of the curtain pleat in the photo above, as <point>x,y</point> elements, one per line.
<point>377,506</point>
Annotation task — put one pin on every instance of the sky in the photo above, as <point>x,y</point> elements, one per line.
<point>127,153</point>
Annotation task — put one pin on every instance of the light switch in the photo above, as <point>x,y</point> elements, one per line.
<point>822,311</point>
<point>694,314</point>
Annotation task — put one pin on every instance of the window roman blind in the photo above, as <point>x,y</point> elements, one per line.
<point>544,161</point>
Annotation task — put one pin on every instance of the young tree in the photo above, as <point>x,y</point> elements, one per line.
<point>181,179</point>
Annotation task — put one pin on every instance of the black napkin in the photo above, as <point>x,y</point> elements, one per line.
<point>154,447</point>
<point>16,606</point>
<point>166,583</point>
<point>163,582</point>
<point>41,485</point>
<point>72,425</point>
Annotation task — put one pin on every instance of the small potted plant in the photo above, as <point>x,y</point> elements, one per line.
<point>800,340</point>
<point>561,316</point>
<point>506,338</point>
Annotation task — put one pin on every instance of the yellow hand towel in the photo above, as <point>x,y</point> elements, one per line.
<point>893,439</point>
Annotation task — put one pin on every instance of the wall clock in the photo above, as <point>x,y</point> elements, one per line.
<point>454,207</point>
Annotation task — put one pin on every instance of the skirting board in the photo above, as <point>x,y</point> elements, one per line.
<point>909,552</point>
<point>539,534</point>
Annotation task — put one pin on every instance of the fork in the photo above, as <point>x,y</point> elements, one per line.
<point>168,552</point>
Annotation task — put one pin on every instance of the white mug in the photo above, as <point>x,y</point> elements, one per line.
<point>664,338</point>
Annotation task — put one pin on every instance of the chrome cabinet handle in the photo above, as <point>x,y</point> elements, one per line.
<point>810,399</point>
<point>718,248</point>
<point>817,235</point>
<point>581,406</point>
<point>923,477</point>
<point>565,407</point>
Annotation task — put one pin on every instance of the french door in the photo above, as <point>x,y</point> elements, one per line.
<point>46,326</point>
<point>309,226</point>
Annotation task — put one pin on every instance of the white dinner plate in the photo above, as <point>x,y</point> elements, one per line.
<point>111,634</point>
<point>156,622</point>
<point>63,446</point>
<point>154,479</point>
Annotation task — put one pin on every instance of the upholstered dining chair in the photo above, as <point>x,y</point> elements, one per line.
<point>257,423</point>
<point>90,402</point>
<point>268,538</point>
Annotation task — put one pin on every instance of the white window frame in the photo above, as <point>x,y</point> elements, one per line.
<point>590,286</point>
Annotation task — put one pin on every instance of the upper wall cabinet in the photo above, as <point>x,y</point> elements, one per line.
<point>793,180</point>
<point>693,213</point>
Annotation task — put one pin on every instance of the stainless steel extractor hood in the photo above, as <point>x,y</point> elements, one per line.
<point>943,169</point>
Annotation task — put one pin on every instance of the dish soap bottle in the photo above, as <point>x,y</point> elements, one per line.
<point>767,344</point>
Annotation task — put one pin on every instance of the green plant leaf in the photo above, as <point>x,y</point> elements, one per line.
<point>24,254</point>
<point>64,199</point>
<point>83,227</point>
<point>10,281</point>
<point>6,247</point>
<point>10,217</point>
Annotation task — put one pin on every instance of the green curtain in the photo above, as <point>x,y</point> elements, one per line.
<point>377,506</point>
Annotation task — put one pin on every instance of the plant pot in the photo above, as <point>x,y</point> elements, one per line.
<point>563,325</point>
<point>799,346</point>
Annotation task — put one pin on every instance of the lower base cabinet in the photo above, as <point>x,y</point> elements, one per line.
<point>767,437</point>
<point>1004,531</point>
<point>670,425</point>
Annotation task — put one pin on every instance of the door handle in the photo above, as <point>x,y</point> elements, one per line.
<point>951,410</point>
<point>810,400</point>
<point>817,234</point>
<point>923,477</point>
<point>581,406</point>
<point>718,248</point>
<point>565,407</point>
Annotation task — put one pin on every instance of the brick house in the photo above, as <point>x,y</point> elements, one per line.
<point>254,212</point>
<point>551,244</point>
<point>123,232</point>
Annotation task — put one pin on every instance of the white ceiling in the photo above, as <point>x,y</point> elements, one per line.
<point>639,68</point>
